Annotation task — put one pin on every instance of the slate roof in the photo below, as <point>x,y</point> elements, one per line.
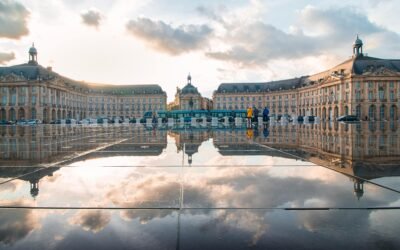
<point>32,71</point>
<point>355,66</point>
<point>261,86</point>
<point>189,89</point>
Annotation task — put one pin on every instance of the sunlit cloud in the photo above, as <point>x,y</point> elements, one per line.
<point>16,224</point>
<point>89,220</point>
<point>13,19</point>
<point>166,38</point>
<point>6,57</point>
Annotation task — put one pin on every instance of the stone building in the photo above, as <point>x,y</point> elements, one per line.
<point>30,91</point>
<point>362,85</point>
<point>189,98</point>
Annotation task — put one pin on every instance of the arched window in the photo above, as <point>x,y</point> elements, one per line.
<point>381,93</point>
<point>372,112</point>
<point>393,112</point>
<point>382,113</point>
<point>358,111</point>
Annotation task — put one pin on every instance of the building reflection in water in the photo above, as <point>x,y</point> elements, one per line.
<point>362,151</point>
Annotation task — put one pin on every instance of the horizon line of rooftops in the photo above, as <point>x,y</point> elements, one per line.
<point>33,71</point>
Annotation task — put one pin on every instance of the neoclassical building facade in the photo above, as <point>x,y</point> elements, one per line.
<point>365,86</point>
<point>189,98</point>
<point>30,91</point>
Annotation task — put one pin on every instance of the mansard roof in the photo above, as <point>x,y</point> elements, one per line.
<point>360,65</point>
<point>189,89</point>
<point>261,86</point>
<point>32,72</point>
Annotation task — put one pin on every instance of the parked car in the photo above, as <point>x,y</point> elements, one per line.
<point>34,122</point>
<point>4,122</point>
<point>300,118</point>
<point>70,121</point>
<point>133,120</point>
<point>311,118</point>
<point>22,122</point>
<point>348,118</point>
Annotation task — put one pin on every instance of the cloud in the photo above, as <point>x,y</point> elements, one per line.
<point>13,19</point>
<point>91,17</point>
<point>16,224</point>
<point>6,57</point>
<point>165,38</point>
<point>317,32</point>
<point>93,221</point>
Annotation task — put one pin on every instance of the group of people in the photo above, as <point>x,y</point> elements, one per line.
<point>253,113</point>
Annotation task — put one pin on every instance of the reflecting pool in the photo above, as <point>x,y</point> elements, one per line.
<point>289,186</point>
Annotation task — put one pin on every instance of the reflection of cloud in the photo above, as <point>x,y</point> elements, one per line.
<point>16,224</point>
<point>13,19</point>
<point>5,57</point>
<point>168,39</point>
<point>91,17</point>
<point>93,221</point>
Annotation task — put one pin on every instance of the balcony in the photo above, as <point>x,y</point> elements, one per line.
<point>372,100</point>
<point>383,100</point>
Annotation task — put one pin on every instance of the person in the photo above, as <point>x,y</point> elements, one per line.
<point>255,112</point>
<point>249,116</point>
<point>266,115</point>
<point>249,133</point>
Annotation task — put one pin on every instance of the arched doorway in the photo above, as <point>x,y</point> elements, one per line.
<point>336,112</point>
<point>393,113</point>
<point>358,111</point>
<point>33,113</point>
<point>45,118</point>
<point>69,115</point>
<point>21,113</point>
<point>3,115</point>
<point>324,113</point>
<point>58,114</point>
<point>11,114</point>
<point>346,110</point>
<point>382,112</point>
<point>372,112</point>
<point>53,115</point>
<point>63,114</point>
<point>330,115</point>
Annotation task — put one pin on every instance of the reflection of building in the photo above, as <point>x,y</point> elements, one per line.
<point>362,151</point>
<point>189,98</point>
<point>362,85</point>
<point>30,174</point>
<point>189,141</point>
<point>24,150</point>
<point>31,91</point>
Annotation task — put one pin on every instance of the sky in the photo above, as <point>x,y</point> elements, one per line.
<point>162,41</point>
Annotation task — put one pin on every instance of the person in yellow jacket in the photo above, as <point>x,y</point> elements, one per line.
<point>249,116</point>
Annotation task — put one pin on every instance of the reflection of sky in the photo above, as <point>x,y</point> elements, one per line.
<point>213,181</point>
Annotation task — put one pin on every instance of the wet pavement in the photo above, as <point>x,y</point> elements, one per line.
<point>283,186</point>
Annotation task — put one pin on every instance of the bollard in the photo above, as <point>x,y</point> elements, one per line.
<point>204,121</point>
<point>214,121</point>
<point>238,121</point>
<point>193,122</point>
<point>260,121</point>
<point>170,122</point>
<point>149,122</point>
